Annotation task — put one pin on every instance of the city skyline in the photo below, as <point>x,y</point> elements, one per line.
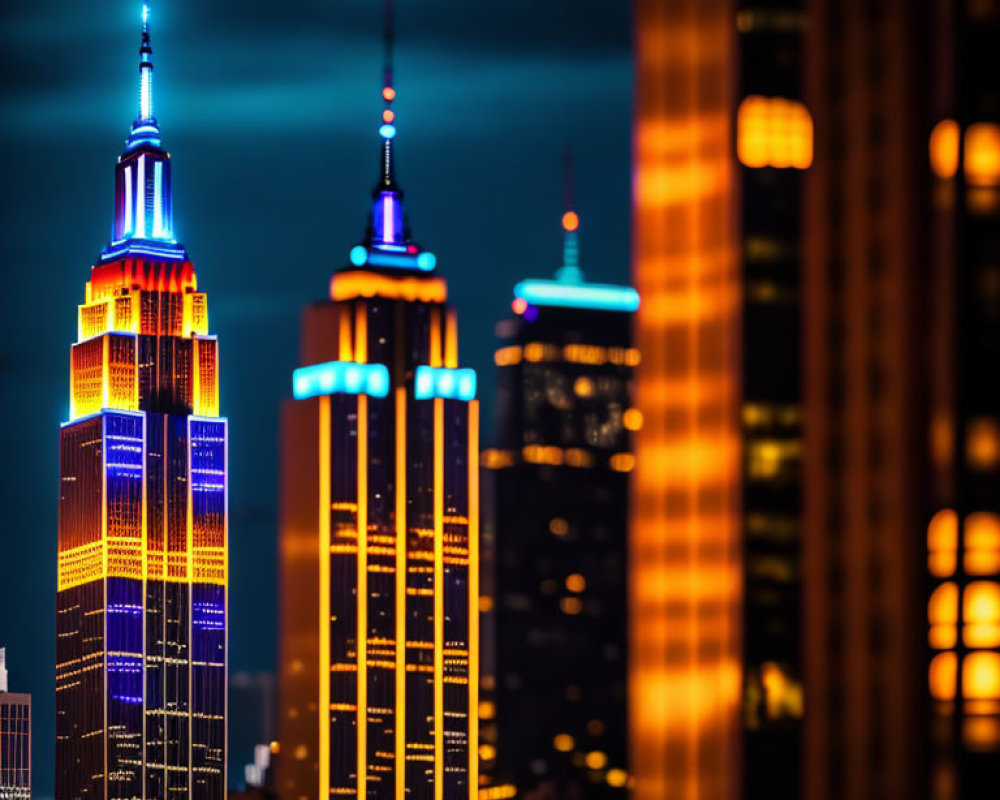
<point>335,55</point>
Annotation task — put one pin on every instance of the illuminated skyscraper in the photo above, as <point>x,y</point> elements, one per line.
<point>15,740</point>
<point>142,598</point>
<point>379,529</point>
<point>685,537</point>
<point>903,433</point>
<point>560,478</point>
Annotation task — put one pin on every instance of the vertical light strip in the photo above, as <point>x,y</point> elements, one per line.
<point>324,596</point>
<point>438,593</point>
<point>346,351</point>
<point>435,343</point>
<point>400,715</point>
<point>157,199</point>
<point>140,199</point>
<point>388,221</point>
<point>104,584</point>
<point>106,372</point>
<point>146,93</point>
<point>225,559</point>
<point>361,333</point>
<point>189,582</point>
<point>145,577</point>
<point>128,203</point>
<point>451,339</point>
<point>362,631</point>
<point>473,583</point>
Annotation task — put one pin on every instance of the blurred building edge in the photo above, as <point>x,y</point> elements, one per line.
<point>560,476</point>
<point>902,434</point>
<point>685,535</point>
<point>252,720</point>
<point>15,739</point>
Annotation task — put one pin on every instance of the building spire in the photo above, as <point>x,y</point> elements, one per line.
<point>387,129</point>
<point>145,129</point>
<point>570,270</point>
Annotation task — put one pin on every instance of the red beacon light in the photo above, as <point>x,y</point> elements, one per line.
<point>388,94</point>
<point>520,305</point>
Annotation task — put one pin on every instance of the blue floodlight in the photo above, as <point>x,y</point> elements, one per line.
<point>597,296</point>
<point>445,383</point>
<point>340,377</point>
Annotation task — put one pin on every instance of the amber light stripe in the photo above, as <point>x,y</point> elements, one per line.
<point>473,458</point>
<point>685,580</point>
<point>400,721</point>
<point>438,592</point>
<point>324,595</point>
<point>361,356</point>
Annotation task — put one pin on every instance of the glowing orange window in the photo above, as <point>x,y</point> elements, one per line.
<point>774,132</point>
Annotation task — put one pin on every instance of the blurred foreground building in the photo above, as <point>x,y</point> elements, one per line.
<point>142,572</point>
<point>559,478</point>
<point>379,530</point>
<point>15,739</point>
<point>869,531</point>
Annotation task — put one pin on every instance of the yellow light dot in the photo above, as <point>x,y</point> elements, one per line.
<point>485,604</point>
<point>487,752</point>
<point>558,526</point>
<point>486,709</point>
<point>570,221</point>
<point>275,747</point>
<point>563,743</point>
<point>617,777</point>
<point>622,462</point>
<point>576,582</point>
<point>583,387</point>
<point>596,759</point>
<point>633,419</point>
<point>301,753</point>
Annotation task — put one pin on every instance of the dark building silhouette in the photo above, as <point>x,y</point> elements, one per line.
<point>559,479</point>
<point>379,544</point>
<point>902,435</point>
<point>15,739</point>
<point>142,571</point>
<point>773,148</point>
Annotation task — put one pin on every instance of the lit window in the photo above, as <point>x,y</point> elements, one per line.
<point>632,419</point>
<point>982,543</point>
<point>982,444</point>
<point>570,605</point>
<point>558,526</point>
<point>576,583</point>
<point>942,543</point>
<point>622,462</point>
<point>596,759</point>
<point>982,154</point>
<point>981,607</point>
<point>487,710</point>
<point>774,132</point>
<point>944,148</point>
<point>617,778</point>
<point>768,459</point>
<point>563,742</point>
<point>583,387</point>
<point>981,676</point>
<point>487,752</point>
<point>941,676</point>
<point>942,613</point>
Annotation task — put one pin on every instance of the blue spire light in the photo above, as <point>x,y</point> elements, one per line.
<point>387,131</point>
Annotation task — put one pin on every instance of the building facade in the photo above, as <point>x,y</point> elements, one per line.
<point>142,571</point>
<point>685,539</point>
<point>379,545</point>
<point>774,140</point>
<point>559,478</point>
<point>15,740</point>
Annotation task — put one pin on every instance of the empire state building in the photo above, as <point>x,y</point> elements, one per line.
<point>142,572</point>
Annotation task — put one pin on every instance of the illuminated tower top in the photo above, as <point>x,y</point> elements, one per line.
<point>569,289</point>
<point>143,221</point>
<point>387,243</point>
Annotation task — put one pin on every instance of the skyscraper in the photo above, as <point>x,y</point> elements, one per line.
<point>379,528</point>
<point>685,535</point>
<point>773,148</point>
<point>15,739</point>
<point>560,479</point>
<point>142,574</point>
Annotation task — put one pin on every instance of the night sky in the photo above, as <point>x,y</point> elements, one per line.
<point>270,110</point>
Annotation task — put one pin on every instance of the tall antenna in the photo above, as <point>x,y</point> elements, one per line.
<point>388,130</point>
<point>570,269</point>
